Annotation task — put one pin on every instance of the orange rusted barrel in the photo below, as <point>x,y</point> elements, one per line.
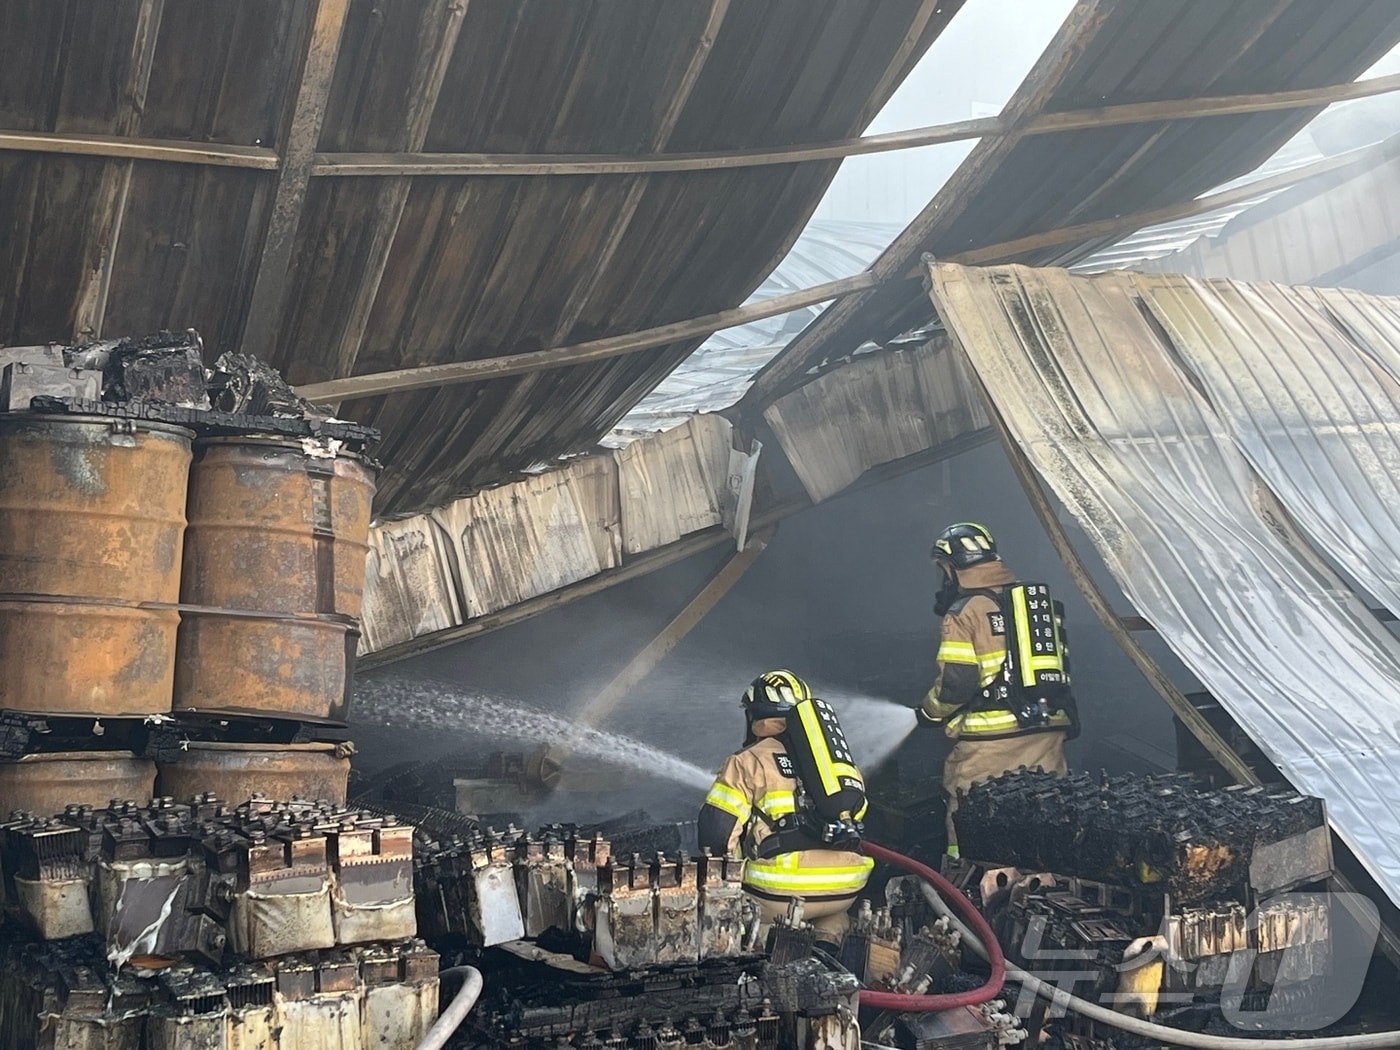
<point>92,521</point>
<point>280,530</point>
<point>274,529</point>
<point>46,784</point>
<point>236,772</point>
<point>247,664</point>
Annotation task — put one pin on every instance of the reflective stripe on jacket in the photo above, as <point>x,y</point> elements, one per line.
<point>813,874</point>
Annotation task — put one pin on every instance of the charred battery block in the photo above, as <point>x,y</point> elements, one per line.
<point>927,957</point>
<point>439,873</point>
<point>373,894</point>
<point>965,1028</point>
<point>1160,833</point>
<point>543,883</point>
<point>872,946</point>
<point>52,877</point>
<point>586,855</point>
<point>22,382</point>
<point>790,939</point>
<point>194,1013</point>
<point>323,1001</point>
<point>1056,930</point>
<point>401,994</point>
<point>493,904</point>
<point>98,1010</point>
<point>723,906</point>
<point>676,882</point>
<point>625,936</point>
<point>253,1020</point>
<point>283,901</point>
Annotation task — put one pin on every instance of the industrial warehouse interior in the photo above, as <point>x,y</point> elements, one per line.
<point>699,524</point>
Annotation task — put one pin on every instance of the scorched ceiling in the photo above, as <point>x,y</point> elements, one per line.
<point>219,165</point>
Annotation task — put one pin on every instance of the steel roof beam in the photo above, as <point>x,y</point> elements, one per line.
<point>298,153</point>
<point>425,376</point>
<point>439,164</point>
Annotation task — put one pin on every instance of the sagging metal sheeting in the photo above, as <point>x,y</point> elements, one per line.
<point>1215,440</point>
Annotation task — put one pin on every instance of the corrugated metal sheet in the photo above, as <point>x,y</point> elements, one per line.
<point>1317,232</point>
<point>1130,439</point>
<point>876,409</point>
<point>542,532</point>
<point>1111,53</point>
<point>1318,420</point>
<point>409,591</point>
<point>674,483</point>
<point>535,535</point>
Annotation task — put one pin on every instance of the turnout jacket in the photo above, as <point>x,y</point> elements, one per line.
<point>755,789</point>
<point>971,651</point>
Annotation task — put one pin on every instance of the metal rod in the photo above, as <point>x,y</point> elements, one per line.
<point>426,376</point>
<point>385,164</point>
<point>443,164</point>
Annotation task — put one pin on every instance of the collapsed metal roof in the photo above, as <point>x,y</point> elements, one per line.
<point>350,186</point>
<point>1233,452</point>
<point>1016,186</point>
<point>258,172</point>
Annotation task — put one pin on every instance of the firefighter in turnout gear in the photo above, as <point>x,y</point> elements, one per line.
<point>760,809</point>
<point>1002,690</point>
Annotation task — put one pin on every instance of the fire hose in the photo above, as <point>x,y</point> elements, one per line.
<point>980,939</point>
<point>993,954</point>
<point>451,1019</point>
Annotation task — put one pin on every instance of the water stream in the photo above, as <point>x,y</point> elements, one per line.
<point>419,703</point>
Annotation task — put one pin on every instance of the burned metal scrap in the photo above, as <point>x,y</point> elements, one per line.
<point>161,378</point>
<point>382,995</point>
<point>740,1003</point>
<point>1160,831</point>
<point>201,878</point>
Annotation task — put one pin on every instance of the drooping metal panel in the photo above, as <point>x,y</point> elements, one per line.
<point>1151,458</point>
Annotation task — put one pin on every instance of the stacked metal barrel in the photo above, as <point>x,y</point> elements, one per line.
<point>112,607</point>
<point>275,556</point>
<point>180,587</point>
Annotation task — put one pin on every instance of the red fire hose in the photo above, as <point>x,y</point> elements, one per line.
<point>930,1003</point>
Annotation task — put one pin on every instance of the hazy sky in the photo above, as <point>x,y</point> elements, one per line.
<point>970,71</point>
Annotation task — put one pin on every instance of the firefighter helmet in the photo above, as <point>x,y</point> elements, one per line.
<point>773,693</point>
<point>964,545</point>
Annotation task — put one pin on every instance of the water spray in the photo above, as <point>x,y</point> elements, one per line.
<point>429,705</point>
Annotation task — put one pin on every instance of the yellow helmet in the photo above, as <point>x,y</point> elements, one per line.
<point>773,693</point>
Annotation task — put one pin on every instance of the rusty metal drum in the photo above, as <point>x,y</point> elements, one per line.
<point>276,529</point>
<point>92,522</point>
<point>46,784</point>
<point>275,557</point>
<point>236,772</point>
<point>249,664</point>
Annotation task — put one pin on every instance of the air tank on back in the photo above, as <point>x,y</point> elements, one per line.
<point>92,520</point>
<point>275,554</point>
